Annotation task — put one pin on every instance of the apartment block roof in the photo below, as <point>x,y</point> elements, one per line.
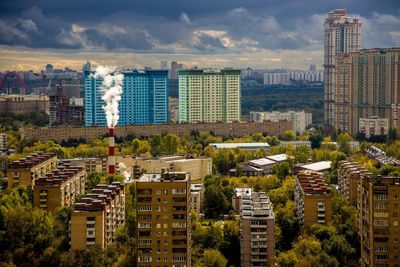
<point>313,183</point>
<point>99,198</point>
<point>58,176</point>
<point>166,176</point>
<point>32,160</point>
<point>256,204</point>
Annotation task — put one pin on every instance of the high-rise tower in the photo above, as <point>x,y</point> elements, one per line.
<point>342,35</point>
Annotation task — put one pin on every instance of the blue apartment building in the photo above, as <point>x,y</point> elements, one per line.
<point>144,99</point>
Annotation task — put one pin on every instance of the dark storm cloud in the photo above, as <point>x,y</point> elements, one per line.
<point>189,26</point>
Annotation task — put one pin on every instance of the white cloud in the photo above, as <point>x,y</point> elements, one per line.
<point>185,18</point>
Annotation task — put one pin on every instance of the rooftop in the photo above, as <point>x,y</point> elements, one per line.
<point>278,157</point>
<point>240,145</point>
<point>58,176</point>
<point>313,183</point>
<point>262,162</point>
<point>100,196</point>
<point>256,204</point>
<point>318,166</point>
<point>196,187</point>
<point>32,160</point>
<point>165,177</point>
<point>243,191</point>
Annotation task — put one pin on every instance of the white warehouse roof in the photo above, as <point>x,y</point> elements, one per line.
<point>318,166</point>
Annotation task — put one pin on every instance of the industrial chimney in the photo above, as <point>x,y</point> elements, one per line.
<point>111,151</point>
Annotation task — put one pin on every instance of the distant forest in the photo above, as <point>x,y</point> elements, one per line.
<point>278,97</point>
<point>269,98</point>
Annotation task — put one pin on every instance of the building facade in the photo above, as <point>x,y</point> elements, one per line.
<point>342,34</point>
<point>209,96</point>
<point>91,165</point>
<point>26,170</point>
<point>3,144</point>
<point>144,98</point>
<point>257,239</point>
<point>59,188</point>
<point>196,194</point>
<point>299,119</point>
<point>349,175</point>
<point>373,126</point>
<point>378,220</point>
<point>97,216</point>
<point>236,197</point>
<point>163,219</point>
<point>197,167</point>
<point>312,198</point>
<point>59,134</point>
<point>367,86</point>
<point>24,104</point>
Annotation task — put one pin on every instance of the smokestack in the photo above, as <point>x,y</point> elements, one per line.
<point>111,151</point>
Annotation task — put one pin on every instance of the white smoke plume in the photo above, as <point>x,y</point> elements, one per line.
<point>112,90</point>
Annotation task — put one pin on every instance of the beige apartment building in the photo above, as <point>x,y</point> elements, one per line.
<point>257,240</point>
<point>209,96</point>
<point>59,188</point>
<point>373,126</point>
<point>312,198</point>
<point>299,119</point>
<point>196,194</point>
<point>163,219</point>
<point>342,34</point>
<point>378,206</point>
<point>91,165</point>
<point>349,175</point>
<point>25,170</point>
<point>197,167</point>
<point>367,86</point>
<point>97,216</point>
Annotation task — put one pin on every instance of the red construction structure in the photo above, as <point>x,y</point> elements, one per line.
<point>13,74</point>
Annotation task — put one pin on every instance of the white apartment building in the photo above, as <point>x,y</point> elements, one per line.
<point>209,95</point>
<point>300,119</point>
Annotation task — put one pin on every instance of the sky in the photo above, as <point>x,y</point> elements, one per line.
<point>263,34</point>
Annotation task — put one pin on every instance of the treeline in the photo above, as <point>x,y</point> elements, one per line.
<point>33,237</point>
<point>269,98</point>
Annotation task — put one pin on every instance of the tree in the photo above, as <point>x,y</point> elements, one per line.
<point>215,202</point>
<point>316,140</point>
<point>214,258</point>
<point>287,221</point>
<point>289,135</point>
<point>169,144</point>
<point>343,142</point>
<point>302,154</point>
<point>392,134</point>
<point>281,170</point>
<point>231,244</point>
<point>93,179</point>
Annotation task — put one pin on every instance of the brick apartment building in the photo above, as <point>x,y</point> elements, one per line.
<point>59,188</point>
<point>163,219</point>
<point>25,170</point>
<point>97,216</point>
<point>312,198</point>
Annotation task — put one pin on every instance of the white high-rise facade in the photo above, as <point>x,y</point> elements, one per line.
<point>209,95</point>
<point>342,35</point>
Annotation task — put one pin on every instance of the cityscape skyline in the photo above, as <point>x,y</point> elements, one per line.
<point>230,34</point>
